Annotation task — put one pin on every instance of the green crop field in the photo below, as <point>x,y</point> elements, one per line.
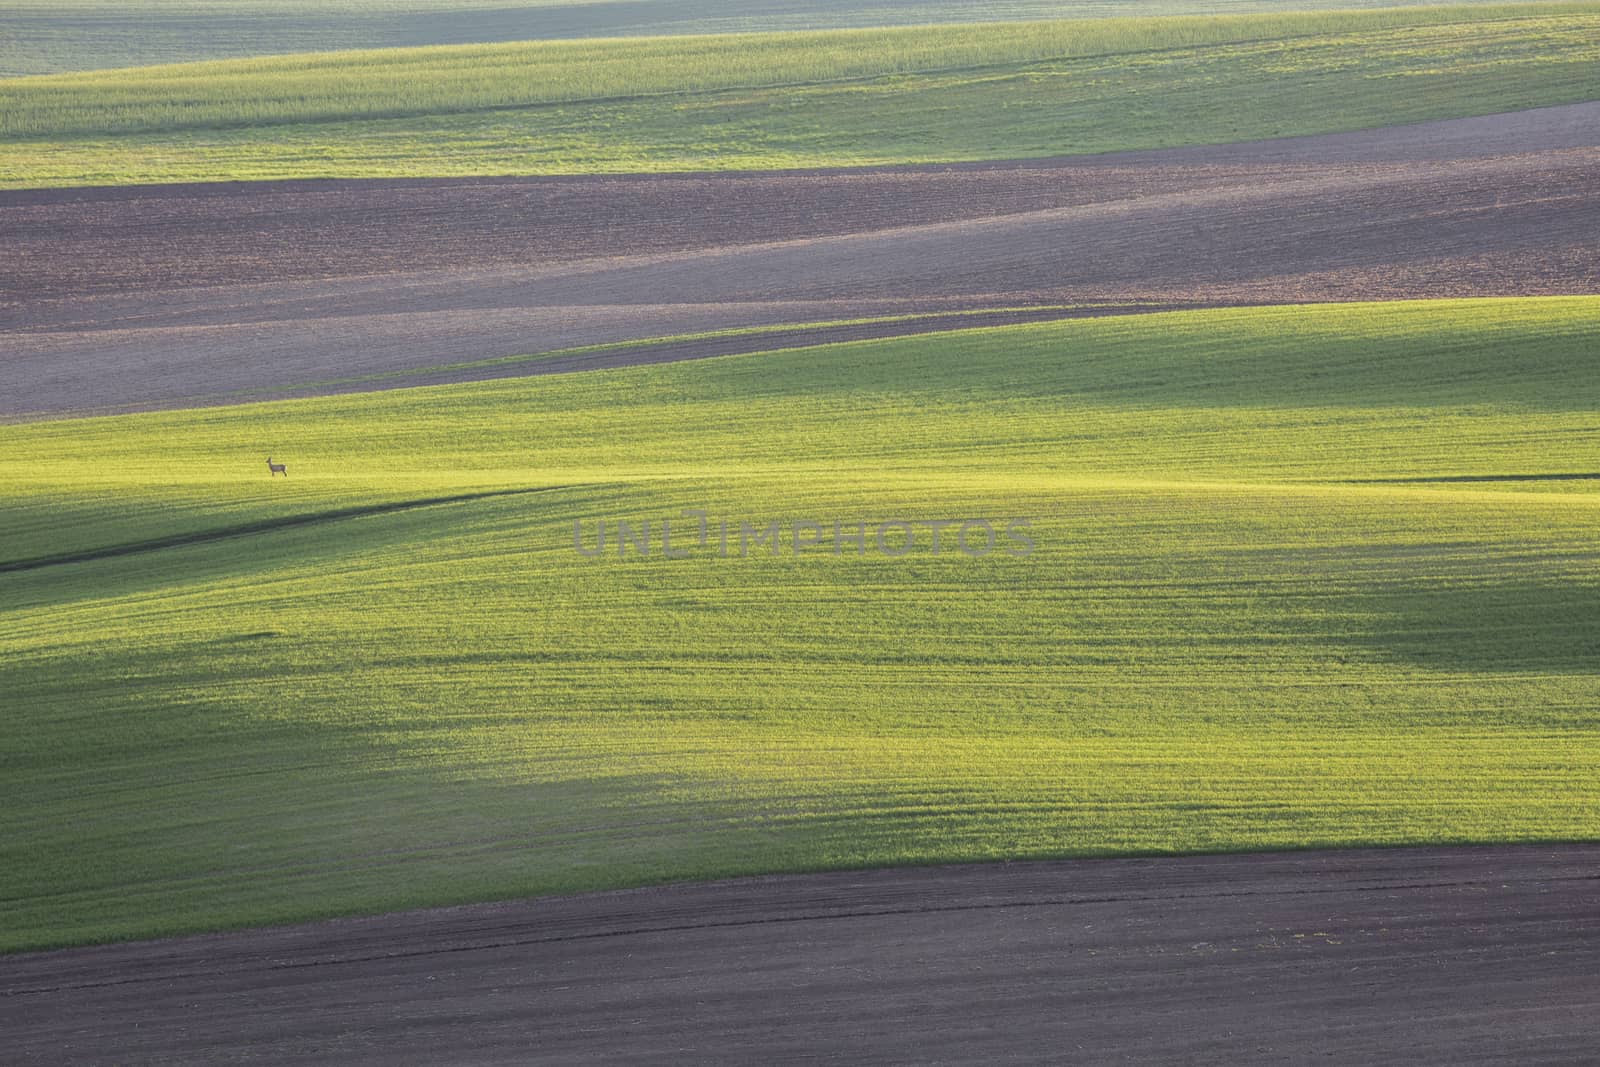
<point>39,37</point>
<point>1301,576</point>
<point>826,98</point>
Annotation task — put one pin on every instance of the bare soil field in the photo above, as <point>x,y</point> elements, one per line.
<point>1426,956</point>
<point>142,297</point>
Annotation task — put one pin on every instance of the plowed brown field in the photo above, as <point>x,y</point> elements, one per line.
<point>1426,956</point>
<point>168,295</point>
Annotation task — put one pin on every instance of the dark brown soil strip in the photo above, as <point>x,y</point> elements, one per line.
<point>1429,955</point>
<point>132,299</point>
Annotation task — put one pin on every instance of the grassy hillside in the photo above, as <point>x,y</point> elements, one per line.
<point>794,99</point>
<point>1301,576</point>
<point>43,38</point>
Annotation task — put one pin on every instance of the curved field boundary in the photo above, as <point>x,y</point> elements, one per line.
<point>126,300</point>
<point>338,86</point>
<point>929,95</point>
<point>247,529</point>
<point>673,349</point>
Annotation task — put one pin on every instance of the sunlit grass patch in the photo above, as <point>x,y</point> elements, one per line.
<point>1302,576</point>
<point>787,100</point>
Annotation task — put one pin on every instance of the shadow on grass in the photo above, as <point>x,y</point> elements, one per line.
<point>1519,627</point>
<point>1426,479</point>
<point>199,537</point>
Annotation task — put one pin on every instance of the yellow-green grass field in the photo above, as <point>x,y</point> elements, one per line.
<point>794,99</point>
<point>1301,576</point>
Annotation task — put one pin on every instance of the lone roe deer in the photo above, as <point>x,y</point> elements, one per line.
<point>276,468</point>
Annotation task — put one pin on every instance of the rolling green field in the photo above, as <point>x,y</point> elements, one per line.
<point>44,38</point>
<point>811,99</point>
<point>1302,576</point>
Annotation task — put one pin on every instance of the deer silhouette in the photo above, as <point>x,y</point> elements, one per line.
<point>276,468</point>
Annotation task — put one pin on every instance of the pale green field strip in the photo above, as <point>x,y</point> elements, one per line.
<point>1219,642</point>
<point>789,100</point>
<point>63,35</point>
